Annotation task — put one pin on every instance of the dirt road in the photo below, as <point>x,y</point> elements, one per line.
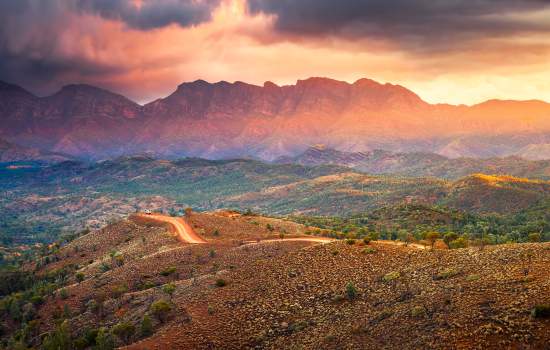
<point>322,240</point>
<point>178,226</point>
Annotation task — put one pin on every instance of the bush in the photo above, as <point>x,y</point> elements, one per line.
<point>220,282</point>
<point>146,328</point>
<point>448,273</point>
<point>350,241</point>
<point>368,250</point>
<point>534,237</point>
<point>160,309</point>
<point>418,311</point>
<point>351,291</point>
<point>541,311</point>
<point>366,240</point>
<point>391,276</point>
<point>124,331</point>
<point>103,340</point>
<point>79,277</point>
<point>63,294</point>
<point>168,271</point>
<point>169,289</point>
<point>104,267</point>
<point>460,242</point>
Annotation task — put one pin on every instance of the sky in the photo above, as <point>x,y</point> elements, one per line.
<point>447,51</point>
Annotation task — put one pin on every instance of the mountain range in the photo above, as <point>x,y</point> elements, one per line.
<point>223,120</point>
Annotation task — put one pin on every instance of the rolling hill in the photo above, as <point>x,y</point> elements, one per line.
<point>418,164</point>
<point>39,204</point>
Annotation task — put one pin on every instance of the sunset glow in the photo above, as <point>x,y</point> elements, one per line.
<point>249,41</point>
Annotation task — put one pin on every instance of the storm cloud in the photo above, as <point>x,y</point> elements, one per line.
<point>151,14</point>
<point>431,24</point>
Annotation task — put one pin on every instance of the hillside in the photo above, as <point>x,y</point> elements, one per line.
<point>41,203</point>
<point>134,283</point>
<point>228,120</point>
<point>421,164</point>
<point>10,152</point>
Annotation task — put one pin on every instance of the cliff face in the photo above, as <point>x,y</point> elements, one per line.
<point>239,119</point>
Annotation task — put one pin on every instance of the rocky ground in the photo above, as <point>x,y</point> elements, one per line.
<point>229,294</point>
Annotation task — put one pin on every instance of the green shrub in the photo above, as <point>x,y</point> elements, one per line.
<point>351,291</point>
<point>418,311</point>
<point>368,250</point>
<point>146,328</point>
<point>103,340</point>
<point>124,330</point>
<point>160,309</point>
<point>168,271</point>
<point>366,240</point>
<point>79,277</point>
<point>350,241</point>
<point>473,277</point>
<point>63,294</point>
<point>220,282</point>
<point>541,311</point>
<point>460,242</point>
<point>104,267</point>
<point>448,273</point>
<point>391,276</point>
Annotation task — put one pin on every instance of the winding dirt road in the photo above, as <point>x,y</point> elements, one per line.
<point>178,225</point>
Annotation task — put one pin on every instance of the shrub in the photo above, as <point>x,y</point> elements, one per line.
<point>418,311</point>
<point>448,273</point>
<point>169,289</point>
<point>220,282</point>
<point>351,291</point>
<point>212,253</point>
<point>473,277</point>
<point>216,233</point>
<point>160,309</point>
<point>168,271</point>
<point>103,340</point>
<point>63,294</point>
<point>534,237</point>
<point>350,241</point>
<point>269,227</point>
<point>366,240</point>
<point>541,311</point>
<point>146,328</point>
<point>104,267</point>
<point>391,276</point>
<point>118,291</point>
<point>79,277</point>
<point>124,330</point>
<point>369,250</point>
<point>460,242</point>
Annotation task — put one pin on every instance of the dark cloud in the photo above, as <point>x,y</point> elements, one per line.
<point>151,13</point>
<point>412,23</point>
<point>40,44</point>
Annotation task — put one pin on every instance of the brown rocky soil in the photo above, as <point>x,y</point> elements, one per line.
<point>292,295</point>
